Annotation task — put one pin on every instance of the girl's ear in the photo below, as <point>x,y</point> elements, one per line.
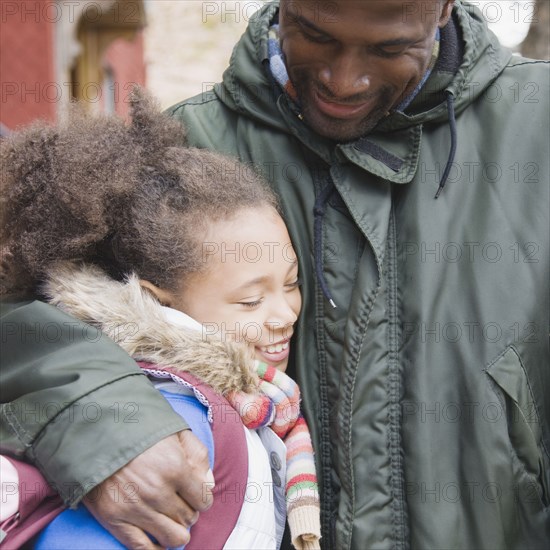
<point>163,296</point>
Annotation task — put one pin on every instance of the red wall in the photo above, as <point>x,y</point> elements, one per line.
<point>28,86</point>
<point>27,71</point>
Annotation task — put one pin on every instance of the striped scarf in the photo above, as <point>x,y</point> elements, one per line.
<point>279,408</point>
<point>277,63</point>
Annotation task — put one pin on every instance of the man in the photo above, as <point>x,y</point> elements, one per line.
<point>425,386</point>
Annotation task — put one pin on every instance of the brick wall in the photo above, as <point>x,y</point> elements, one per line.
<point>28,86</point>
<point>31,85</point>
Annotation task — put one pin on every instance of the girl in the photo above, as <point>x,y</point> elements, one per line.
<point>181,257</point>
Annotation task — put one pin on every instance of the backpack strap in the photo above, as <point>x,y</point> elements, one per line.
<point>38,505</point>
<point>230,460</point>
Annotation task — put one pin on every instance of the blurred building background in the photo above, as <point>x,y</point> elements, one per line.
<point>54,51</point>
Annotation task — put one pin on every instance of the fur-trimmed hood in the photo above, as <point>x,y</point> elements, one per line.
<point>138,323</point>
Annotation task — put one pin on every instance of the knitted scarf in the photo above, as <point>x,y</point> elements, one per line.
<point>278,406</point>
<point>280,74</point>
<point>277,63</point>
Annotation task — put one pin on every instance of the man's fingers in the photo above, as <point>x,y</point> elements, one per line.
<point>160,492</point>
<point>199,495</point>
<point>168,533</point>
<point>185,516</point>
<point>196,489</point>
<point>129,535</point>
<point>133,537</point>
<point>178,511</point>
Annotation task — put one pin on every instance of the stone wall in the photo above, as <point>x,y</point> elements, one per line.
<point>188,43</point>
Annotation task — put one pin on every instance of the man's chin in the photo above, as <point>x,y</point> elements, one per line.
<point>341,131</point>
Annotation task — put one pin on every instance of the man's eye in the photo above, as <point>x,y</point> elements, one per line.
<point>313,36</point>
<point>384,52</point>
<point>317,39</point>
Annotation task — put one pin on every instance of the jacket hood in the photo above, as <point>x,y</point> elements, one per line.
<point>249,89</point>
<point>138,324</point>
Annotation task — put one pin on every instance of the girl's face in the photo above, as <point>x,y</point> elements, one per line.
<point>249,291</point>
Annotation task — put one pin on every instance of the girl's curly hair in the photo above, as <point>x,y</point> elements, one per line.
<point>130,198</point>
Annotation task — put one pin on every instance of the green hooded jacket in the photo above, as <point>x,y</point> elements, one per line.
<point>427,387</point>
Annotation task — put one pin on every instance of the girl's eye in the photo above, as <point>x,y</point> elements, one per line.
<point>251,305</point>
<point>295,284</point>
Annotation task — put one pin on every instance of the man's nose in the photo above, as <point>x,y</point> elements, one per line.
<point>346,75</point>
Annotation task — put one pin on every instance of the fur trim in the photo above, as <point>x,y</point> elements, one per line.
<point>134,319</point>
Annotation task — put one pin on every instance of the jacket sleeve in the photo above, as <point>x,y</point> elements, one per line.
<point>73,402</point>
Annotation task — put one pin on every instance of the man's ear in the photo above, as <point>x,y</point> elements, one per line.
<point>163,296</point>
<point>446,13</point>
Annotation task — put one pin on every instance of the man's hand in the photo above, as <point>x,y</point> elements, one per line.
<point>160,492</point>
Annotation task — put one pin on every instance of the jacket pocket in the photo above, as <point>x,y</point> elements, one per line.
<point>523,420</point>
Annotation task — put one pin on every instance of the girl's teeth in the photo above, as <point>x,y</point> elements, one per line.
<point>277,348</point>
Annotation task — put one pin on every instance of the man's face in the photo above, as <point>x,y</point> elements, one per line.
<point>352,61</point>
